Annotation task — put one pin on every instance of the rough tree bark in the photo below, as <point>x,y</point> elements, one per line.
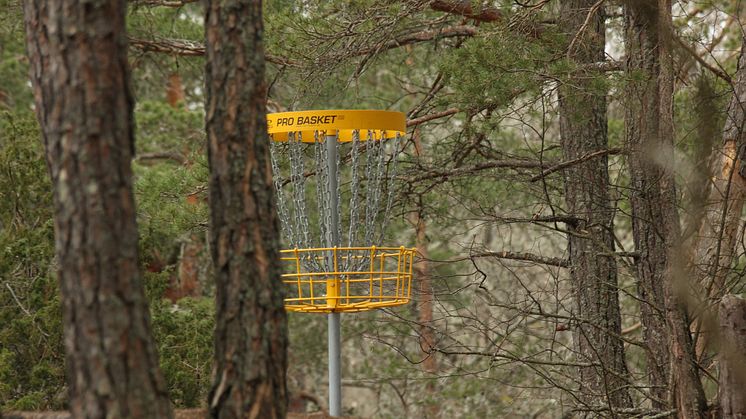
<point>583,123</point>
<point>732,356</point>
<point>78,56</point>
<point>655,221</point>
<point>251,325</point>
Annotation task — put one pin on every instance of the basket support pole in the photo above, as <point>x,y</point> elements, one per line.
<point>333,286</point>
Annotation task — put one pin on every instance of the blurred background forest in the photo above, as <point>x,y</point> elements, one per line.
<point>481,193</point>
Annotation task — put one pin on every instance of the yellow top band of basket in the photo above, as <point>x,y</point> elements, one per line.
<point>381,124</point>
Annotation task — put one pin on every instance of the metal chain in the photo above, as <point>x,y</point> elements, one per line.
<point>299,190</point>
<point>324,194</point>
<point>370,178</point>
<point>391,181</point>
<point>282,210</point>
<point>354,196</point>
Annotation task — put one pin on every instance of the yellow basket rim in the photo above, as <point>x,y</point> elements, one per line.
<point>382,124</point>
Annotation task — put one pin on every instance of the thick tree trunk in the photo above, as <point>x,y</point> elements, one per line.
<point>655,220</point>
<point>732,357</point>
<point>78,56</point>
<point>594,273</point>
<point>251,325</point>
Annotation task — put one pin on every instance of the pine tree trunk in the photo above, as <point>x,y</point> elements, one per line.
<point>425,306</point>
<point>78,56</point>
<point>591,241</point>
<point>251,325</point>
<point>655,220</point>
<point>732,357</point>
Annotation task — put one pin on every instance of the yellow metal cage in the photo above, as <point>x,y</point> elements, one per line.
<point>351,279</point>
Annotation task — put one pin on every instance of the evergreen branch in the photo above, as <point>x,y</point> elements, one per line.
<point>573,162</point>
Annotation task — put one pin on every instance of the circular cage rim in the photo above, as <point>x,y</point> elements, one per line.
<point>294,304</point>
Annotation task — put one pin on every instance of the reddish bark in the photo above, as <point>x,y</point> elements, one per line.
<point>251,324</point>
<point>78,56</point>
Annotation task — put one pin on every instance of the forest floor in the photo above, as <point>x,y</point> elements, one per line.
<point>179,414</point>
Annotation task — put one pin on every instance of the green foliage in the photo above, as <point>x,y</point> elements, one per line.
<point>183,333</point>
<point>171,197</point>
<point>492,70</point>
<point>14,93</point>
<point>31,358</point>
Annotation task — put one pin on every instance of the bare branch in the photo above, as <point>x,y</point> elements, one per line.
<point>464,8</point>
<point>423,36</point>
<point>491,164</point>
<point>188,48</point>
<point>693,52</point>
<point>522,256</point>
<point>573,162</point>
<point>430,117</point>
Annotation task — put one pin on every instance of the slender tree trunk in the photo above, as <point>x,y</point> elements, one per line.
<point>714,247</point>
<point>597,333</point>
<point>732,357</point>
<point>655,220</point>
<point>425,306</point>
<point>251,325</point>
<point>715,244</point>
<point>78,56</point>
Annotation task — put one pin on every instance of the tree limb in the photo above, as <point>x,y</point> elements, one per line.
<point>573,162</point>
<point>188,48</point>
<point>430,117</point>
<point>526,257</point>
<point>464,8</point>
<point>491,164</point>
<point>691,51</point>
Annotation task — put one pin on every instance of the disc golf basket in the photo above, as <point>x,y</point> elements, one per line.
<point>344,163</point>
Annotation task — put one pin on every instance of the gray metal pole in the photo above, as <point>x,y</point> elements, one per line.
<point>335,353</point>
<point>335,360</point>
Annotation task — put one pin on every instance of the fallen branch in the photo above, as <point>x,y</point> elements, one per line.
<point>163,155</point>
<point>163,3</point>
